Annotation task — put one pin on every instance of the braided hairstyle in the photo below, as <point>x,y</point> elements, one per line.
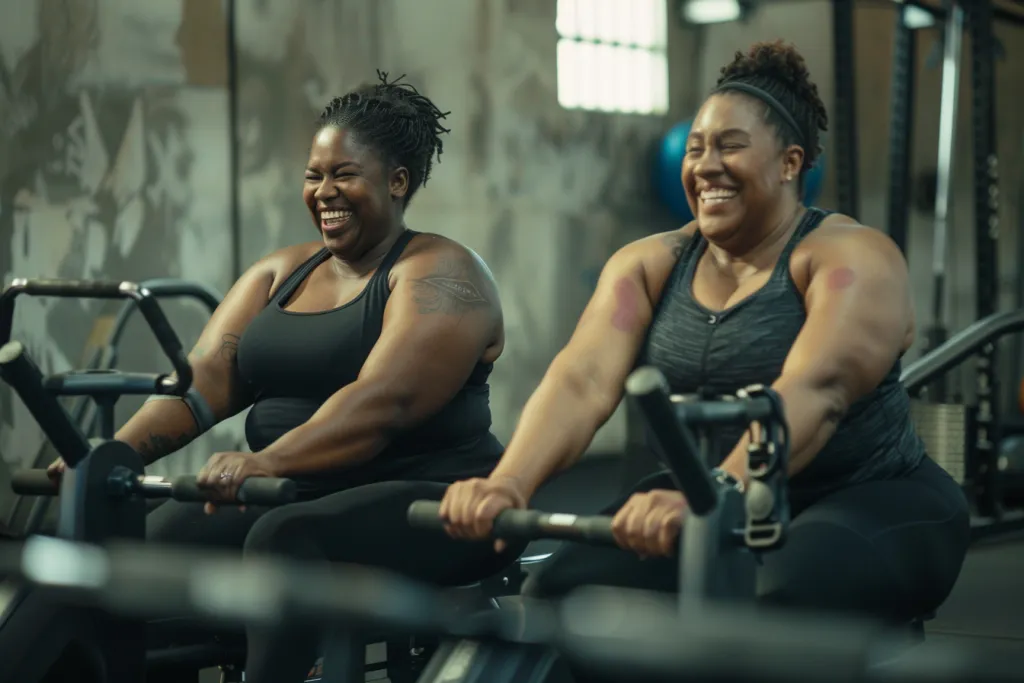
<point>778,69</point>
<point>394,119</point>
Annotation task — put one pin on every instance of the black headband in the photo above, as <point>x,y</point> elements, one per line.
<point>767,99</point>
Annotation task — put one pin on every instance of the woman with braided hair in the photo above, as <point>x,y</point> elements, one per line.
<point>758,289</point>
<point>364,357</point>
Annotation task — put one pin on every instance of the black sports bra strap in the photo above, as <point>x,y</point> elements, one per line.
<point>811,219</point>
<point>288,287</point>
<point>395,251</point>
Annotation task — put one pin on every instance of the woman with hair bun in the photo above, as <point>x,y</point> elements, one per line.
<point>757,289</point>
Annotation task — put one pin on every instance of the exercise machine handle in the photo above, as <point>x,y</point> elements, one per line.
<point>23,375</point>
<point>90,289</point>
<point>98,383</point>
<point>174,288</point>
<point>726,411</point>
<point>169,343</point>
<point>86,289</point>
<point>525,525</point>
<point>254,491</point>
<point>677,445</point>
<point>163,288</point>
<point>34,483</point>
<point>58,288</point>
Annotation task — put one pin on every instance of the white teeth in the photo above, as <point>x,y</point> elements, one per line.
<point>717,194</point>
<point>332,215</point>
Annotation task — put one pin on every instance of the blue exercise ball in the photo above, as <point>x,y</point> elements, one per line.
<point>668,165</point>
<point>813,181</point>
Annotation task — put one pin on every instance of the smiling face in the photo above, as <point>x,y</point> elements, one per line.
<point>354,198</point>
<point>736,172</point>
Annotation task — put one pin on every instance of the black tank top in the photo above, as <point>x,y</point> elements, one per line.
<point>293,362</point>
<point>719,352</point>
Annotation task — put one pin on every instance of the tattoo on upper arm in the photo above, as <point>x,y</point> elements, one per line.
<point>159,445</point>
<point>452,288</point>
<point>676,242</point>
<point>229,347</point>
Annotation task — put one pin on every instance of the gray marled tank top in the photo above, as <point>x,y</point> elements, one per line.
<point>719,352</point>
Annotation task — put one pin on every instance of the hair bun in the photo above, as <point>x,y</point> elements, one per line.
<point>776,60</point>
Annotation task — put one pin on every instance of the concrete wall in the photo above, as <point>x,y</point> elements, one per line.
<point>115,163</point>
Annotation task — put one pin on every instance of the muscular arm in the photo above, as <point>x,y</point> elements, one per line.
<point>161,427</point>
<point>441,317</point>
<point>859,317</point>
<point>584,383</point>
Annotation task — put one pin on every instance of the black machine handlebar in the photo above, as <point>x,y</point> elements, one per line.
<point>728,410</point>
<point>255,490</point>
<point>169,288</point>
<point>669,422</point>
<point>165,288</point>
<point>97,383</point>
<point>525,525</point>
<point>22,374</point>
<point>143,298</point>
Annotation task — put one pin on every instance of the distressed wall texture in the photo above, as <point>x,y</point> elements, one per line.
<point>115,163</point>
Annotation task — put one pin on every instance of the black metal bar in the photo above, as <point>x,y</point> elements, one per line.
<point>22,374</point>
<point>998,13</point>
<point>986,216</point>
<point>234,151</point>
<point>1017,359</point>
<point>959,348</point>
<point>845,113</point>
<point>901,129</point>
<point>648,388</point>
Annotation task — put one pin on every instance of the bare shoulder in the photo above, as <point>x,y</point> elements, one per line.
<point>842,242</point>
<point>447,273</point>
<point>842,237</point>
<point>290,257</point>
<point>426,249</point>
<point>676,240</point>
<point>652,257</point>
<point>281,263</point>
<point>662,248</point>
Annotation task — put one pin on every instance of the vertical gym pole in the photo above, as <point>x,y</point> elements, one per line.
<point>234,142</point>
<point>948,108</point>
<point>845,109</point>
<point>901,127</point>
<point>985,454</point>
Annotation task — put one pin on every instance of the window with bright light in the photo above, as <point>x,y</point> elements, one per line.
<point>612,55</point>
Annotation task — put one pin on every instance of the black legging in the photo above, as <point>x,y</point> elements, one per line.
<point>889,549</point>
<point>364,525</point>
